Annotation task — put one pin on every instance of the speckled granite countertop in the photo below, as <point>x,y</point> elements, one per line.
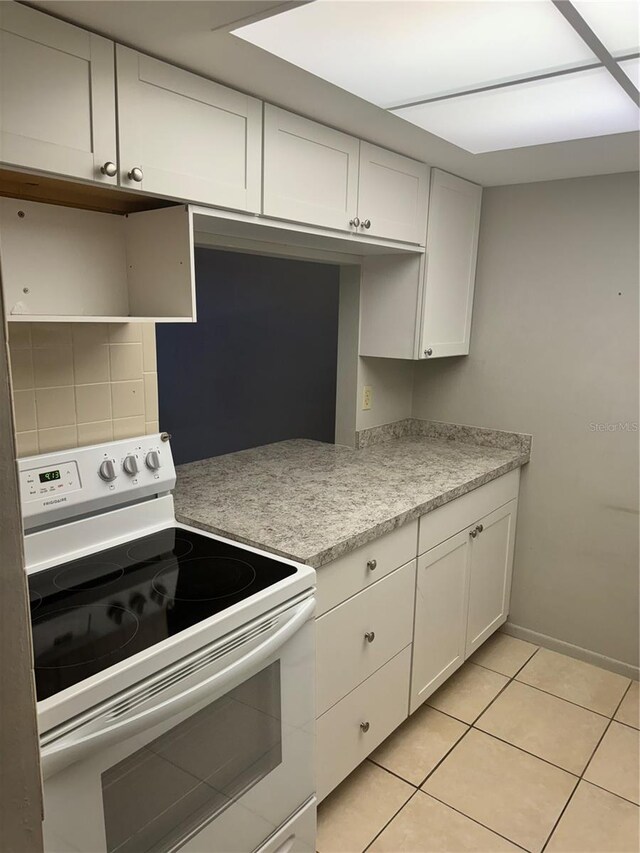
<point>313,502</point>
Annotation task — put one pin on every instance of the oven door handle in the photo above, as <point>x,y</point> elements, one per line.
<point>59,754</point>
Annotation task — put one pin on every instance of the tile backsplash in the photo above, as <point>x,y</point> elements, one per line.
<point>82,383</point>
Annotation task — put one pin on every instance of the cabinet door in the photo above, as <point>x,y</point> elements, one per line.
<point>490,566</point>
<point>392,195</point>
<point>190,137</point>
<point>310,171</point>
<point>57,96</point>
<point>452,248</point>
<point>441,616</point>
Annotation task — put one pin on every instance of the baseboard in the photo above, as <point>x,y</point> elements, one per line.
<point>572,651</point>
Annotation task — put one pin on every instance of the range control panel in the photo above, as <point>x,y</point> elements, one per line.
<point>69,483</point>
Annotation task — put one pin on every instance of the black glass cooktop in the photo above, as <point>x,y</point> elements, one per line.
<point>91,613</point>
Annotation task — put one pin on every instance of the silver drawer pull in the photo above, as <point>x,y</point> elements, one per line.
<point>372,565</point>
<point>370,636</point>
<point>364,727</point>
<point>473,533</point>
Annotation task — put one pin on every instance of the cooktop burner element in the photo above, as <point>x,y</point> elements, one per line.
<point>209,578</point>
<point>84,643</point>
<point>91,613</point>
<point>147,549</point>
<point>86,575</point>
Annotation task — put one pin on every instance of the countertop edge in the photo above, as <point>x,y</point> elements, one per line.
<point>328,555</point>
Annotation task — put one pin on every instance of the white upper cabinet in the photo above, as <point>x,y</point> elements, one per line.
<point>420,307</point>
<point>57,97</point>
<point>184,136</point>
<point>452,249</point>
<point>310,171</point>
<point>320,176</point>
<point>392,195</point>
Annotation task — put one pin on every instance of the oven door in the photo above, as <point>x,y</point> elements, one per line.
<point>214,753</point>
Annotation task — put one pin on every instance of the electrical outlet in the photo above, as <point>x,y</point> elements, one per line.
<point>367,398</point>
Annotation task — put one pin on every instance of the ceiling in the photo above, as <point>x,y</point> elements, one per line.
<point>195,34</point>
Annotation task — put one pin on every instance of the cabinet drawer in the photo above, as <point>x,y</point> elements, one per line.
<point>381,701</point>
<point>449,519</point>
<point>352,573</point>
<point>358,637</point>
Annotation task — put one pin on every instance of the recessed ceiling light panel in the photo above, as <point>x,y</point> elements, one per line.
<point>392,52</point>
<point>631,68</point>
<point>573,106</point>
<point>615,22</point>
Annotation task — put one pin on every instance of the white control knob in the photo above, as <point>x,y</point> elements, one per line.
<point>130,465</point>
<point>107,470</point>
<point>152,460</point>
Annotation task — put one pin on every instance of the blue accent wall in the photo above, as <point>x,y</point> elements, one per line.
<point>259,365</point>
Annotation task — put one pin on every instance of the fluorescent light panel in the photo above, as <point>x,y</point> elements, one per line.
<point>573,106</point>
<point>391,52</point>
<point>615,22</point>
<point>631,68</point>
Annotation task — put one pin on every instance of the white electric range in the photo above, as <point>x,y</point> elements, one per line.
<point>175,669</point>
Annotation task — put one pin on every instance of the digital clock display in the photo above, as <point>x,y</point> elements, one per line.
<point>49,476</point>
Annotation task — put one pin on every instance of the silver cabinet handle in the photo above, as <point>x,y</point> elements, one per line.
<point>473,533</point>
<point>136,174</point>
<point>428,352</point>
<point>355,222</point>
<point>364,727</point>
<point>372,565</point>
<point>370,636</point>
<point>366,223</point>
<point>480,528</point>
<point>109,169</point>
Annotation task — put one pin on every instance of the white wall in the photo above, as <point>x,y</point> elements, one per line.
<point>554,349</point>
<point>391,381</point>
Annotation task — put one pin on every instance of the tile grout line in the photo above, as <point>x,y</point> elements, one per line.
<point>392,818</point>
<point>535,687</point>
<point>474,820</point>
<point>613,794</point>
<point>391,772</point>
<point>575,704</point>
<point>586,767</point>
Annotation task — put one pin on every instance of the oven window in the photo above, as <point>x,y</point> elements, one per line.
<point>164,792</point>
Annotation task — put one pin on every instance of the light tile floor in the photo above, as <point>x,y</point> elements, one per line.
<point>522,749</point>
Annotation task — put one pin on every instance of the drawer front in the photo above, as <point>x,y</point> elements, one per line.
<point>449,519</point>
<point>354,572</point>
<point>358,637</point>
<point>381,701</point>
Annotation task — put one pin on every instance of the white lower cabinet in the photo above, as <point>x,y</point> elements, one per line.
<point>463,585</point>
<point>490,564</point>
<point>358,637</point>
<point>356,725</point>
<point>441,616</point>
<point>386,643</point>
